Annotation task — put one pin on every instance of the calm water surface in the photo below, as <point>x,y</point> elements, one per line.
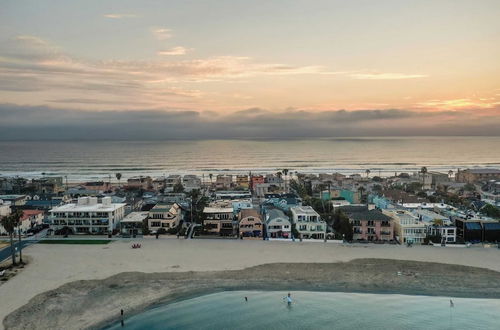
<point>319,310</point>
<point>94,160</point>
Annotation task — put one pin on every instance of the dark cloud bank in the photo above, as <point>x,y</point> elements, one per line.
<point>45,123</point>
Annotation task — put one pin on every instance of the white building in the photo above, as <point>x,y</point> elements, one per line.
<point>4,211</point>
<point>191,182</point>
<point>171,181</point>
<point>448,233</point>
<point>88,216</point>
<point>429,216</point>
<point>277,224</point>
<point>164,216</point>
<point>308,222</point>
<point>132,224</point>
<point>407,227</point>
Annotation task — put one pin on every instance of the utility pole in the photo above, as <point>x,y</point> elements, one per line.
<point>20,245</point>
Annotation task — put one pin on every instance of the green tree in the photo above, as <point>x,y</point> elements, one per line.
<point>178,188</point>
<point>491,211</point>
<point>469,187</point>
<point>285,172</point>
<point>118,177</point>
<point>342,226</point>
<point>367,172</point>
<point>298,188</point>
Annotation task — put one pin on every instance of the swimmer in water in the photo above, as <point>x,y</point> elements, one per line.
<point>288,299</point>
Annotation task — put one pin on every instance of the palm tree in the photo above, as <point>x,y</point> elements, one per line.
<point>285,171</point>
<point>17,219</point>
<point>279,175</point>
<point>423,171</point>
<point>118,177</point>
<point>367,172</point>
<point>361,190</point>
<point>437,222</point>
<point>450,173</point>
<point>9,223</point>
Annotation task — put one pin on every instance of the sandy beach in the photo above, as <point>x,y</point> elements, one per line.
<point>91,283</point>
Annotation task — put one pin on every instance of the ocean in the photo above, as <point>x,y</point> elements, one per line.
<point>94,160</point>
<point>318,310</point>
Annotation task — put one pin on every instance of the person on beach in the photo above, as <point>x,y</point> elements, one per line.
<point>288,299</point>
<point>246,298</point>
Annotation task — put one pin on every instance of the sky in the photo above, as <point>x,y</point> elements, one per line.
<point>248,69</point>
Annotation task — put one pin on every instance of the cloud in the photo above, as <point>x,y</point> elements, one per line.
<point>161,33</point>
<point>29,63</point>
<point>42,122</point>
<point>462,103</point>
<point>179,50</point>
<point>386,76</point>
<point>119,16</point>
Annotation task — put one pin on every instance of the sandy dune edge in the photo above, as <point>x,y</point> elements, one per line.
<point>94,303</point>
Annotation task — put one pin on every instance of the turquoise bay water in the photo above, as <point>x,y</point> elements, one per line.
<point>319,310</point>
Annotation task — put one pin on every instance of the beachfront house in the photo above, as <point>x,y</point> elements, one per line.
<point>431,217</point>
<point>31,218</point>
<point>219,220</point>
<point>87,216</point>
<point>407,227</point>
<point>133,224</point>
<point>277,224</point>
<point>171,182</point>
<point>308,222</point>
<point>250,223</point>
<point>370,225</point>
<point>163,217</point>
<point>448,233</point>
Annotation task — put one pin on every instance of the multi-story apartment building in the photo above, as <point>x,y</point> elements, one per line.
<point>164,216</point>
<point>477,175</point>
<point>308,222</point>
<point>87,216</point>
<point>371,225</point>
<point>407,227</point>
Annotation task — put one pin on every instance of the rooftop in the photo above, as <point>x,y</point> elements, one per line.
<point>372,215</point>
<point>135,217</point>
<point>72,207</point>
<point>249,213</point>
<point>307,210</point>
<point>483,171</point>
<point>209,209</point>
